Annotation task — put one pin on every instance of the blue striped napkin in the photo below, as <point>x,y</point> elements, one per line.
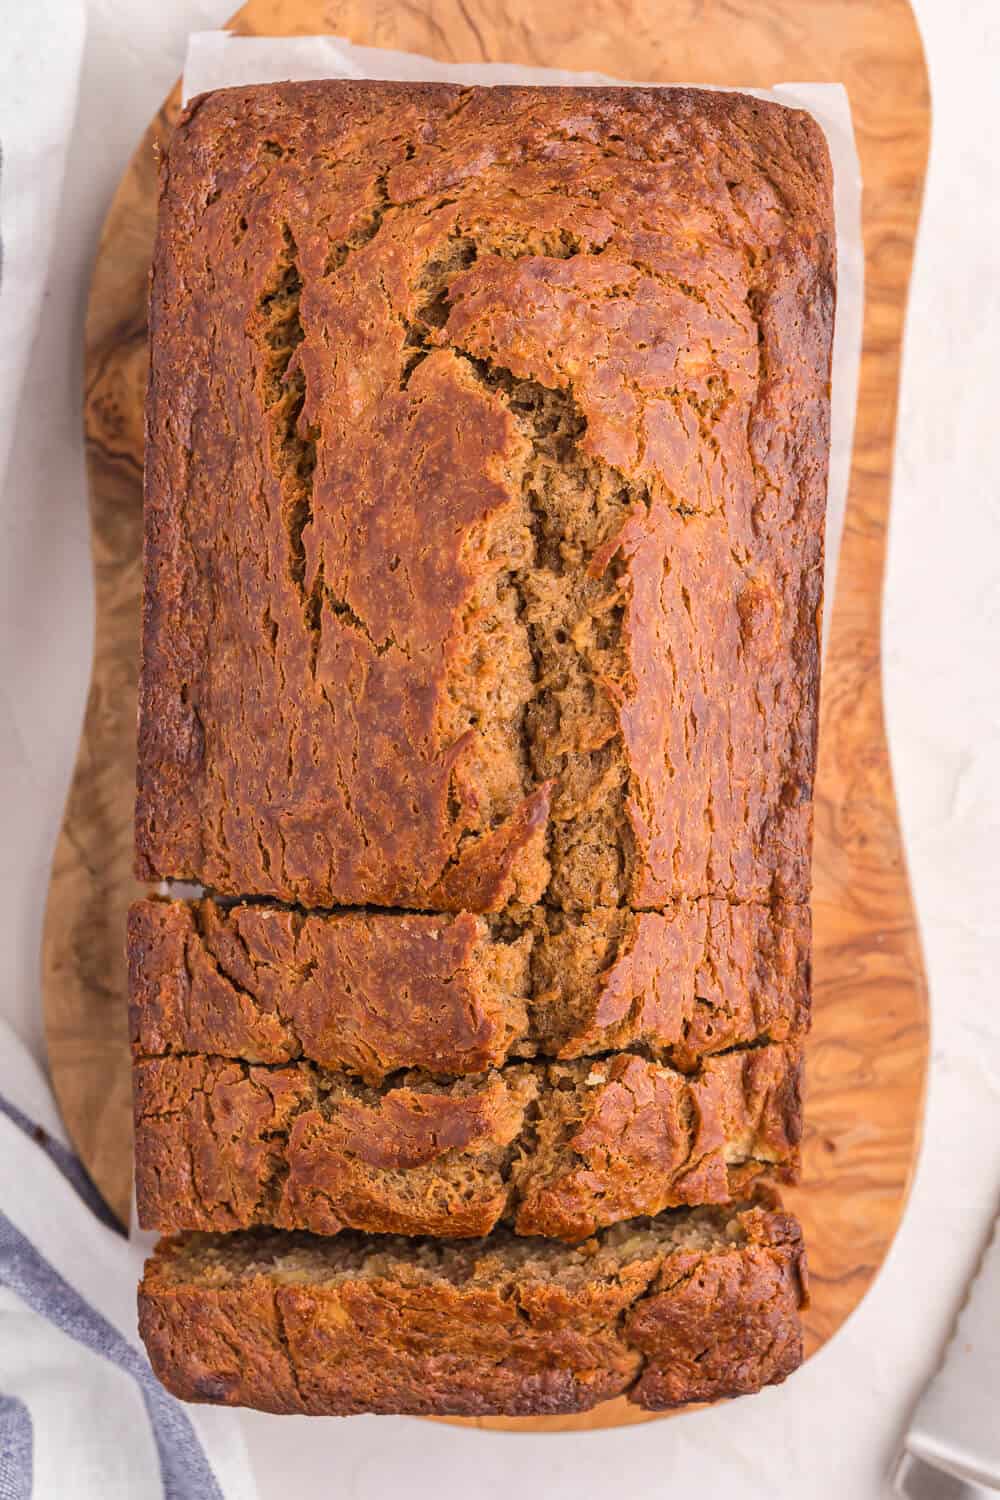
<point>82,1416</point>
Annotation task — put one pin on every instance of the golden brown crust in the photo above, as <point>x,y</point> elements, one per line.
<point>561,638</point>
<point>371,993</point>
<point>698,978</point>
<point>557,1150</point>
<point>674,1325</point>
<point>367,993</point>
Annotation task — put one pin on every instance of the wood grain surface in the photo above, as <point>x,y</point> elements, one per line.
<point>868,1051</point>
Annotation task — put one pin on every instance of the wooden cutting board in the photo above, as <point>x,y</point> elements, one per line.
<point>868,1051</point>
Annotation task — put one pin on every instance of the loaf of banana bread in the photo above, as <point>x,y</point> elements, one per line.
<point>373,992</point>
<point>485,480</point>
<point>685,1307</point>
<point>557,1149</point>
<point>486,457</point>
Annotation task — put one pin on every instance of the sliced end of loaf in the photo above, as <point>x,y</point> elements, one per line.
<point>684,1307</point>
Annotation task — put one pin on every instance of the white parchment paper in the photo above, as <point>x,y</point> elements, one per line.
<point>217,59</point>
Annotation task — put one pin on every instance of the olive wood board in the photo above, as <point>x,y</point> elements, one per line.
<point>867,1054</point>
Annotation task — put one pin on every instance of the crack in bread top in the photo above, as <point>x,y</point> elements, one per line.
<point>487,438</point>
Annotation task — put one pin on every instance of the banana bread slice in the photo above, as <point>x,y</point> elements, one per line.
<point>684,1307</point>
<point>487,437</point>
<point>558,1149</point>
<point>374,992</point>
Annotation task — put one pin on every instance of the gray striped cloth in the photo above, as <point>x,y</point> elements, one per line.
<point>82,1417</point>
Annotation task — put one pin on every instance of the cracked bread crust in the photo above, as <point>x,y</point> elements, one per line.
<point>556,1150</point>
<point>523,1328</point>
<point>560,640</point>
<point>699,978</point>
<point>370,993</point>
<point>367,993</point>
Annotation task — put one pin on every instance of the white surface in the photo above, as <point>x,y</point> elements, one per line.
<point>830,1433</point>
<point>37,105</point>
<point>217,60</point>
